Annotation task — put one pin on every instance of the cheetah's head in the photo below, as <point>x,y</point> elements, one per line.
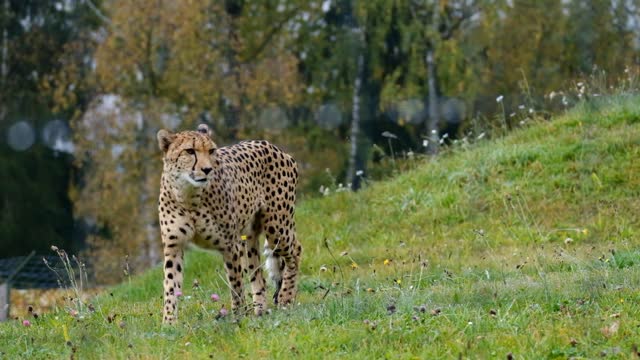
<point>189,156</point>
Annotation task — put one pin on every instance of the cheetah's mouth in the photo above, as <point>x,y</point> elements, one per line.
<point>197,182</point>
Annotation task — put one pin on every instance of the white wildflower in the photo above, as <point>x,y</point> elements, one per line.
<point>326,6</point>
<point>324,190</point>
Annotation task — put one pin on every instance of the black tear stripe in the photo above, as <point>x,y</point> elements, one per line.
<point>195,155</point>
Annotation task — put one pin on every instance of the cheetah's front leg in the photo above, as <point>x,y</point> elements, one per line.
<point>232,257</point>
<point>173,265</point>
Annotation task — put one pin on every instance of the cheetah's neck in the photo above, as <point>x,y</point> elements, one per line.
<point>186,194</point>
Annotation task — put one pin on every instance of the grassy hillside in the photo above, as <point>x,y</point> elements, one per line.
<point>526,245</point>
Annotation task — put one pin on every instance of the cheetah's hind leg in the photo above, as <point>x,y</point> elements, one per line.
<point>253,267</point>
<point>290,270</point>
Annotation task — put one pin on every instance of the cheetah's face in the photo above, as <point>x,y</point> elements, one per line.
<point>189,156</point>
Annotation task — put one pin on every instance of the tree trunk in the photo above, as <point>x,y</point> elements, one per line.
<point>149,220</point>
<point>4,66</point>
<point>434,106</point>
<point>149,248</point>
<point>5,301</point>
<point>233,113</point>
<point>355,125</point>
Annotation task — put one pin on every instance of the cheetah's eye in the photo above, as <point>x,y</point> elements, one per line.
<point>190,151</point>
<point>211,151</point>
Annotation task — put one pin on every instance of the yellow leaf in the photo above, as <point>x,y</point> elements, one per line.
<point>65,333</point>
<point>596,180</point>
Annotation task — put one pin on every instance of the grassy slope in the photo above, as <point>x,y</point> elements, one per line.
<point>476,237</point>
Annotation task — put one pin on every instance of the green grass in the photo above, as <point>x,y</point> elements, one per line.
<point>526,245</point>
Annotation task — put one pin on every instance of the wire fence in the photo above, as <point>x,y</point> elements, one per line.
<point>34,274</point>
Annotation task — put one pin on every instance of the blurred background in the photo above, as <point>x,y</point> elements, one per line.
<point>351,88</point>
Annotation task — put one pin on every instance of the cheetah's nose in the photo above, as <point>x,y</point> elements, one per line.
<point>206,170</point>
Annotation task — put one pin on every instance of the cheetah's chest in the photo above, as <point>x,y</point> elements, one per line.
<point>210,231</point>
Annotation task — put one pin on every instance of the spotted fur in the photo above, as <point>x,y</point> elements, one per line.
<point>224,198</point>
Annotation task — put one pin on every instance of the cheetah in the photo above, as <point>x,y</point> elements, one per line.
<point>223,199</point>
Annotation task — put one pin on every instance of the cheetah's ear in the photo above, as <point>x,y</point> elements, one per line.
<point>204,129</point>
<point>165,139</point>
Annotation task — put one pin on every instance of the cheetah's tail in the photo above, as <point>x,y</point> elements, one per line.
<point>274,265</point>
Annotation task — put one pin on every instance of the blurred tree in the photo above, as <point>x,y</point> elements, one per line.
<point>528,49</point>
<point>200,56</point>
<point>599,36</point>
<point>393,39</point>
<point>34,166</point>
<point>117,194</point>
<point>526,52</point>
<point>447,19</point>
